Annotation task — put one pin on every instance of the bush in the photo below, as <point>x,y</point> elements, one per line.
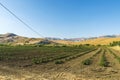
<point>64,46</point>
<point>1,58</point>
<point>115,43</point>
<point>87,44</point>
<point>35,61</point>
<point>40,60</point>
<point>59,62</point>
<point>87,62</point>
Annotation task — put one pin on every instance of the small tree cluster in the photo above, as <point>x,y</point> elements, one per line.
<point>115,43</point>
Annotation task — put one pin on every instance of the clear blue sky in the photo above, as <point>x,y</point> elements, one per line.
<point>62,18</point>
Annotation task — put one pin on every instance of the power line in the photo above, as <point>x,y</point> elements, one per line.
<point>21,20</point>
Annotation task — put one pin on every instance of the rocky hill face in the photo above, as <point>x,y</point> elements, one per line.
<point>11,38</point>
<point>8,37</point>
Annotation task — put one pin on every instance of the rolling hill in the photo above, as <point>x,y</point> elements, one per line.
<point>99,41</point>
<point>11,38</point>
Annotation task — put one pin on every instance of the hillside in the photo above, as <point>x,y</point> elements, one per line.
<point>13,39</point>
<point>97,41</point>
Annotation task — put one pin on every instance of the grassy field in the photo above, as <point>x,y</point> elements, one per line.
<point>43,54</point>
<point>83,62</point>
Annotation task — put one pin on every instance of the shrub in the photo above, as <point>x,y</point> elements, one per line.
<point>59,62</point>
<point>64,46</point>
<point>87,44</point>
<point>87,62</point>
<point>35,61</point>
<point>115,43</point>
<point>1,58</point>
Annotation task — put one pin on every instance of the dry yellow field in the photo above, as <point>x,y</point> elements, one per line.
<point>101,41</point>
<point>63,42</point>
<point>116,48</point>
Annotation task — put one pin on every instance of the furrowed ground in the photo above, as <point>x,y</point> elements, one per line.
<point>82,62</point>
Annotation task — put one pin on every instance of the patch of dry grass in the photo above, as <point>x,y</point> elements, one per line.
<point>116,48</point>
<point>99,41</point>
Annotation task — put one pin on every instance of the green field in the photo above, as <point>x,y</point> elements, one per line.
<point>84,60</point>
<point>43,54</point>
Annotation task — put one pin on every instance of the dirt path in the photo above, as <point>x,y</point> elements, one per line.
<point>113,70</point>
<point>113,62</point>
<point>116,52</point>
<point>92,71</point>
<point>7,73</point>
<point>75,64</point>
<point>95,71</point>
<point>76,67</point>
<point>96,59</point>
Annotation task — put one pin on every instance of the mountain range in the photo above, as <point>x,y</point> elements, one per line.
<point>11,38</point>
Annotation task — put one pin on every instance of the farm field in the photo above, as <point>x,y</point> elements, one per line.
<point>59,40</point>
<point>84,62</point>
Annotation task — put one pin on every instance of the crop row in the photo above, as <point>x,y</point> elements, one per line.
<point>60,58</point>
<point>115,56</point>
<point>73,56</point>
<point>48,59</point>
<point>103,61</point>
<point>89,61</point>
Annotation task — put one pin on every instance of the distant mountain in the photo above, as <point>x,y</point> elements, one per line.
<point>7,35</point>
<point>52,38</point>
<point>75,39</point>
<point>11,38</point>
<point>109,36</point>
<point>83,39</point>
